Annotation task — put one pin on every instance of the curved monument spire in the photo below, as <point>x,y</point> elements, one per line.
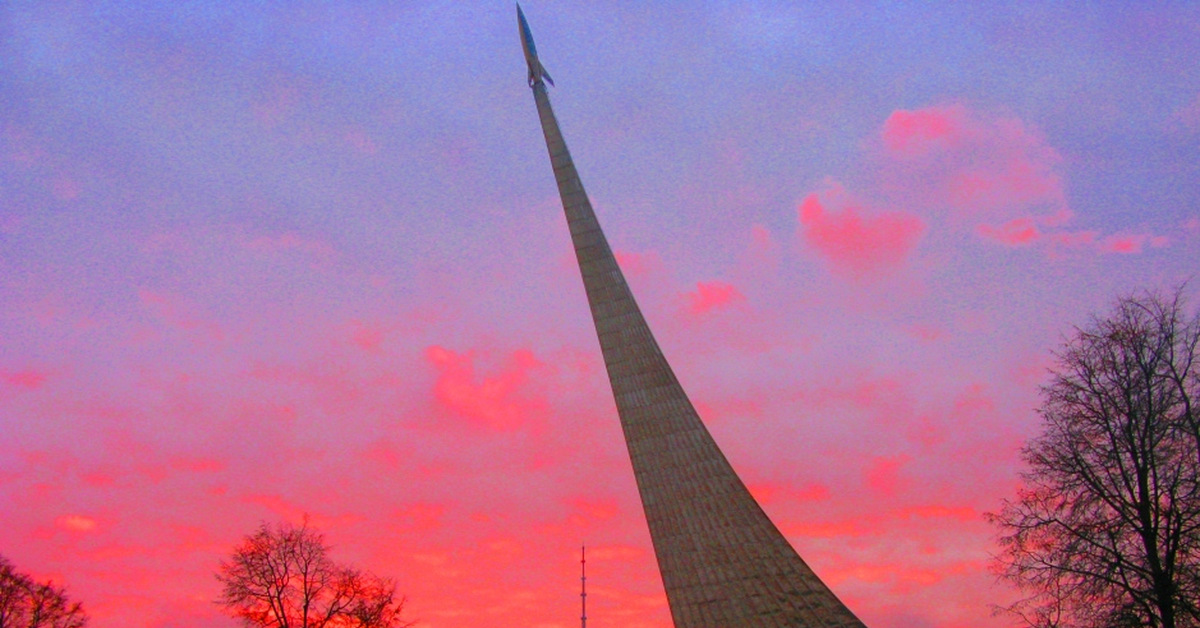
<point>723,563</point>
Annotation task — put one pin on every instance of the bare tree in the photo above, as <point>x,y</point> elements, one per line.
<point>1105,532</point>
<point>282,577</point>
<point>26,603</point>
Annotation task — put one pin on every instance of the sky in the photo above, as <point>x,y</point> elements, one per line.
<point>262,261</point>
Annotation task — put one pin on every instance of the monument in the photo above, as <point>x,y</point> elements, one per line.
<point>723,562</point>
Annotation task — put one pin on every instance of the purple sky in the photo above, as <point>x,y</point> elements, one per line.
<point>297,257</point>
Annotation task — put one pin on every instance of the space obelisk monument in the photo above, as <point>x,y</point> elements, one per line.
<point>723,562</point>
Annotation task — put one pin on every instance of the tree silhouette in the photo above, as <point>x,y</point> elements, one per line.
<point>26,603</point>
<point>282,577</point>
<point>1105,532</point>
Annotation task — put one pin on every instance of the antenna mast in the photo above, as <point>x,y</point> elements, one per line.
<point>583,585</point>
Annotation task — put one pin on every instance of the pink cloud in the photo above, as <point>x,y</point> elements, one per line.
<point>885,396</point>
<point>927,333</point>
<point>197,464</point>
<point>493,402</point>
<point>421,516</point>
<point>825,529</point>
<point>974,401</point>
<point>992,173</point>
<point>76,523</point>
<point>366,336</point>
<point>917,132</point>
<point>99,479</point>
<point>712,295</point>
<point>29,379</point>
<point>1016,232</point>
<point>771,492</point>
<point>1126,244</point>
<point>635,264</point>
<point>761,240</point>
<point>501,549</point>
<point>384,453</point>
<point>884,475</point>
<point>859,244</point>
<point>939,511</point>
<point>599,509</point>
<point>763,251</point>
<point>1017,183</point>
<point>1129,244</point>
<point>1092,241</point>
<point>623,553</point>
<point>141,461</point>
<point>975,164</point>
<point>296,513</point>
<point>1073,239</point>
<point>278,506</point>
<point>926,432</point>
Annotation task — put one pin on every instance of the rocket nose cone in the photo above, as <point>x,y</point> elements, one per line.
<point>524,25</point>
<point>526,34</point>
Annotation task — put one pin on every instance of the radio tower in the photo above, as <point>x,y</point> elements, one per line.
<point>583,585</point>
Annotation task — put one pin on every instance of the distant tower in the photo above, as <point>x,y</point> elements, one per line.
<point>583,586</point>
<point>723,563</point>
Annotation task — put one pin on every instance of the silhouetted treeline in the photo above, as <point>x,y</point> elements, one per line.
<point>27,603</point>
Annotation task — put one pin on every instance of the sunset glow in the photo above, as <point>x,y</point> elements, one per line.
<point>263,263</point>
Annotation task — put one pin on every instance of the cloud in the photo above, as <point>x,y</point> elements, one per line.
<point>592,508</point>
<point>1021,232</point>
<point>493,402</point>
<point>884,475</point>
<point>28,379</point>
<point>975,165</point>
<point>635,264</point>
<point>76,523</point>
<point>423,517</point>
<point>940,511</point>
<point>296,513</point>
<point>1016,232</point>
<point>825,529</point>
<point>1091,240</point>
<point>763,251</point>
<point>624,553</point>
<point>992,173</point>
<point>366,335</point>
<point>761,240</point>
<point>927,332</point>
<point>860,243</point>
<point>1128,244</point>
<point>712,295</point>
<point>770,492</point>
<point>917,132</point>
<point>196,464</point>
